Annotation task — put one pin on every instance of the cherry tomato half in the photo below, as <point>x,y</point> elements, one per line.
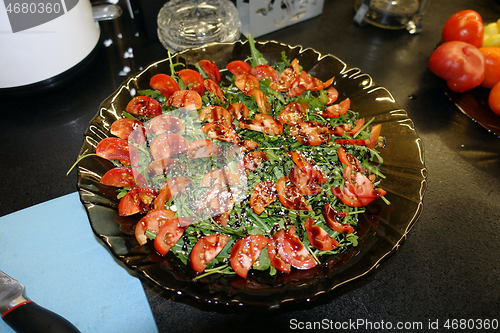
<point>192,80</point>
<point>165,123</point>
<point>245,252</point>
<point>263,194</point>
<point>144,106</point>
<point>206,249</point>
<point>128,129</point>
<point>152,222</point>
<point>165,84</point>
<point>123,177</point>
<point>279,258</point>
<point>137,200</point>
<point>211,69</point>
<point>331,216</point>
<point>247,83</point>
<point>265,72</point>
<point>239,67</point>
<point>318,237</point>
<point>300,256</point>
<point>202,148</point>
<point>214,88</point>
<point>169,234</point>
<point>168,145</point>
<point>113,149</point>
<point>188,99</point>
<point>290,196</point>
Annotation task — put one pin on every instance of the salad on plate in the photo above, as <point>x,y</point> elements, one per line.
<point>255,166</point>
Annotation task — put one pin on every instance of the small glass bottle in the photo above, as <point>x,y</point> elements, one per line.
<point>191,23</point>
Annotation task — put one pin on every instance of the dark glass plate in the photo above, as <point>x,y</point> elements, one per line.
<point>381,231</point>
<point>474,103</point>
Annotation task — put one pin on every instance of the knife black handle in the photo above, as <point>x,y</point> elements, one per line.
<point>32,318</point>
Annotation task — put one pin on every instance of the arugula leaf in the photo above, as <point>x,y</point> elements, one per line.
<point>257,57</point>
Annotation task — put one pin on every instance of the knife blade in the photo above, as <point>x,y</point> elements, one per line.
<point>24,315</point>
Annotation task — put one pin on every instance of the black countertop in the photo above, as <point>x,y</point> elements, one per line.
<point>448,268</point>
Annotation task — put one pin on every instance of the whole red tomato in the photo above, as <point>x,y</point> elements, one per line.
<point>466,26</point>
<point>460,64</point>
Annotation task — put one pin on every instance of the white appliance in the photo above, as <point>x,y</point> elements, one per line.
<point>51,49</point>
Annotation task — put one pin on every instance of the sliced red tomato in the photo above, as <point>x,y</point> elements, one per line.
<point>374,136</point>
<point>349,160</point>
<point>265,72</point>
<point>359,125</point>
<point>214,88</point>
<point>137,200</point>
<point>192,80</point>
<point>245,252</point>
<point>165,84</point>
<point>357,142</point>
<point>285,81</point>
<point>238,110</point>
<point>263,123</point>
<point>125,128</point>
<point>206,249</point>
<point>332,219</point>
<point>349,198</point>
<point>318,237</point>
<point>169,234</point>
<point>220,131</point>
<point>358,191</point>
<point>211,69</point>
<point>246,83</point>
<point>170,188</point>
<point>360,185</point>
<point>293,113</point>
<point>261,100</point>
<point>152,222</point>
<point>336,110</point>
<point>220,176</point>
<point>165,123</point>
<point>238,67</point>
<point>300,256</point>
<point>296,90</point>
<point>310,133</point>
<point>123,177</point>
<point>168,145</point>
<point>215,113</point>
<point>240,148</point>
<point>202,148</point>
<point>113,149</point>
<point>370,143</point>
<point>333,94</point>
<point>290,196</point>
<point>311,170</point>
<point>160,167</point>
<point>263,194</point>
<point>188,99</point>
<point>144,106</point>
<point>276,251</point>
<point>270,125</point>
<point>310,82</point>
<point>305,184</point>
<point>253,160</point>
